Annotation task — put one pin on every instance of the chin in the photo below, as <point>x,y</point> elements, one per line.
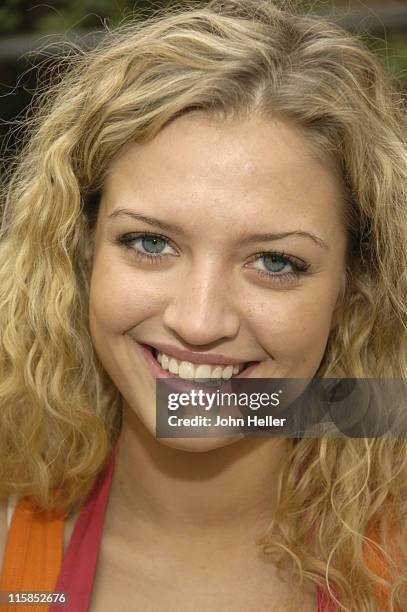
<point>198,445</point>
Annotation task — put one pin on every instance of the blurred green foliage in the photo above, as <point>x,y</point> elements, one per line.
<point>393,52</point>
<point>25,16</point>
<point>22,16</point>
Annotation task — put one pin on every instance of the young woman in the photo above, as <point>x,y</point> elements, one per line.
<point>207,188</point>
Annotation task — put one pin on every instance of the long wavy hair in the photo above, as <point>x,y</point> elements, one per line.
<point>59,411</point>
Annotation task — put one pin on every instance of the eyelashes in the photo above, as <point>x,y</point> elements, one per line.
<point>127,240</point>
<point>150,240</point>
<point>297,269</point>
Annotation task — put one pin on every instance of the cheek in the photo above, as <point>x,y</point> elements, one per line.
<point>294,325</point>
<point>120,298</point>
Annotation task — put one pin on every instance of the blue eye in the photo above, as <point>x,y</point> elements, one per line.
<point>273,262</point>
<point>153,244</point>
<point>150,246</point>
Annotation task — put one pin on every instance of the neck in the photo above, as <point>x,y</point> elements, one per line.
<point>224,492</point>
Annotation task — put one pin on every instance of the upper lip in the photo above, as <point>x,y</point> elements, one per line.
<point>194,357</point>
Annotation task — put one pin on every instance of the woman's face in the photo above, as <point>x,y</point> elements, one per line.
<point>246,259</point>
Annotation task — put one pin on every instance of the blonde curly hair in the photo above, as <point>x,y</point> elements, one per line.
<point>59,411</point>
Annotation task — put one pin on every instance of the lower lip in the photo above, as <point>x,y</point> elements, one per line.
<point>158,372</point>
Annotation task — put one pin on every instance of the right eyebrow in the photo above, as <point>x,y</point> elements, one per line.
<point>167,227</point>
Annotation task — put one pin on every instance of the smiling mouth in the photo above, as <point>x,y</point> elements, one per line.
<point>209,373</point>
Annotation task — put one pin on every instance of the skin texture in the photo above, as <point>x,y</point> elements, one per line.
<point>206,293</point>
<point>219,181</point>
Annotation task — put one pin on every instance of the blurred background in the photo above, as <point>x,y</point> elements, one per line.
<point>32,35</point>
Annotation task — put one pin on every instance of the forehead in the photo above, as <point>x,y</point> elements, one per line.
<point>199,166</point>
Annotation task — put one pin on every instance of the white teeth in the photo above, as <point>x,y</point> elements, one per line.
<point>227,372</point>
<point>217,372</point>
<point>202,371</point>
<point>173,367</point>
<point>190,371</point>
<point>186,370</point>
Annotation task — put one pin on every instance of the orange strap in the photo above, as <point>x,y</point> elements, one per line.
<point>377,564</point>
<point>33,554</point>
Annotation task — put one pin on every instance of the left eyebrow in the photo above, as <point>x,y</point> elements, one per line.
<point>248,239</point>
<point>279,235</point>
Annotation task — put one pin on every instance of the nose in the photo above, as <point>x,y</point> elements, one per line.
<point>201,311</point>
